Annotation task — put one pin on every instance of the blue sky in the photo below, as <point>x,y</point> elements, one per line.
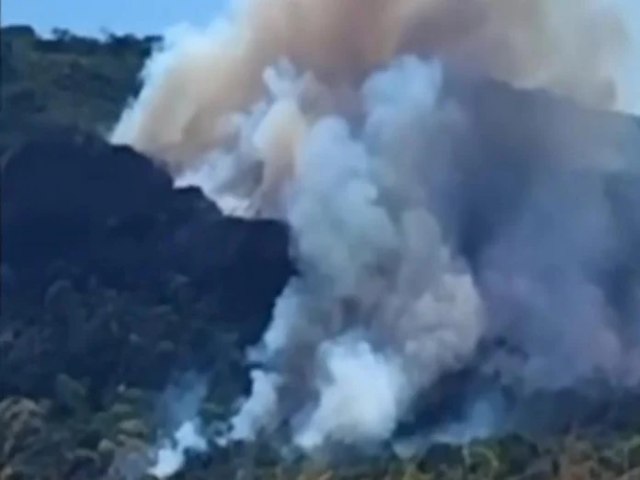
<point>118,16</point>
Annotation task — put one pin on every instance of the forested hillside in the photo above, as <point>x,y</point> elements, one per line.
<point>116,287</point>
<point>66,80</point>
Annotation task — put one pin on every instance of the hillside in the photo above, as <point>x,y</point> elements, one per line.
<point>117,287</point>
<point>65,81</point>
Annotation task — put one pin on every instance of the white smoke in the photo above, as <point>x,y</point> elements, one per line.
<point>361,399</point>
<point>182,401</point>
<point>374,264</point>
<point>337,128</point>
<point>258,410</point>
<point>171,456</point>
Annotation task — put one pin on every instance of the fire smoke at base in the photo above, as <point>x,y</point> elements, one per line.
<point>424,247</point>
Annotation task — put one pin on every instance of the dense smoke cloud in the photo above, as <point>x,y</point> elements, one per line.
<point>441,224</point>
<point>201,78</point>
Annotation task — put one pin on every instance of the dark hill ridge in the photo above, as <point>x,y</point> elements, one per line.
<point>110,213</point>
<point>84,222</point>
<point>65,80</point>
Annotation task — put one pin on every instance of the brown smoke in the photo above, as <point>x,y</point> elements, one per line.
<point>571,47</point>
<point>417,241</point>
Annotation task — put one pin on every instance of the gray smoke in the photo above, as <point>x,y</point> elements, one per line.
<point>382,308</point>
<point>455,238</point>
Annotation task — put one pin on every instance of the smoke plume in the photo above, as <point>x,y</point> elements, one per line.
<point>441,223</point>
<point>182,403</point>
<point>201,79</point>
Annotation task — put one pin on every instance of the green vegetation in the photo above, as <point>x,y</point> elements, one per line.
<point>66,81</point>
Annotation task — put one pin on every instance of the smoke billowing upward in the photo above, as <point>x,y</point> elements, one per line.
<point>202,78</point>
<point>440,226</point>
